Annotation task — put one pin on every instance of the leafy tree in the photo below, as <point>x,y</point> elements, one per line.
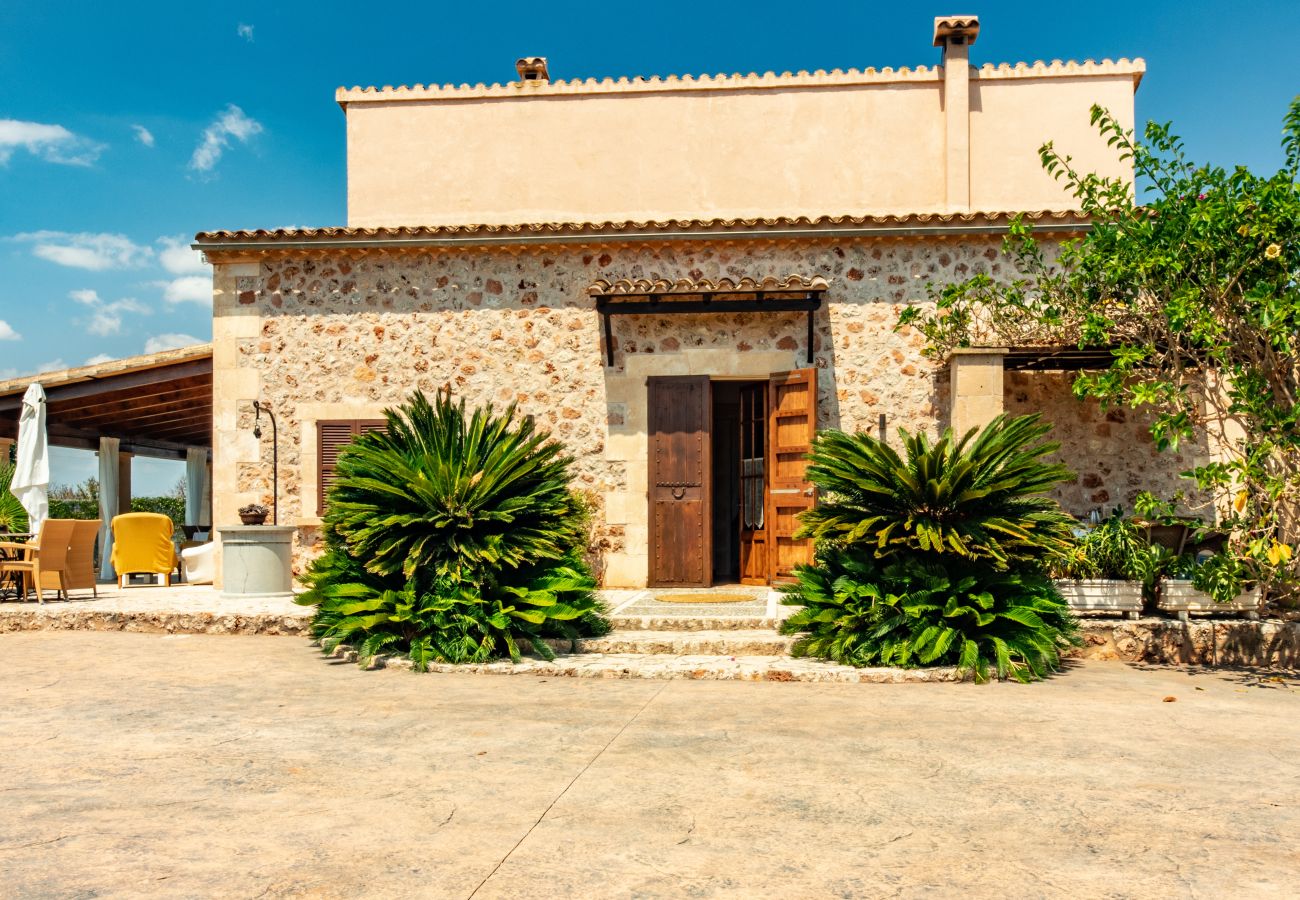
<point>452,537</point>
<point>936,557</point>
<point>1195,291</point>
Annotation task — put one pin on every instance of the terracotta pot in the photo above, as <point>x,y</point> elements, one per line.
<point>253,518</point>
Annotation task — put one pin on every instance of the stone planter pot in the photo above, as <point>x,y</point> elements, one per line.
<point>1102,595</point>
<point>253,518</point>
<point>256,561</point>
<point>1181,598</point>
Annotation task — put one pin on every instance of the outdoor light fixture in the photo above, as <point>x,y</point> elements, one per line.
<point>275,455</point>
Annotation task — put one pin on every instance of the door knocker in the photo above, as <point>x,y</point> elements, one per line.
<point>679,493</point>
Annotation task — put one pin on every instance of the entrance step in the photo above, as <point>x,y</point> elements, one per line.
<point>624,622</point>
<point>732,642</point>
<point>686,668</point>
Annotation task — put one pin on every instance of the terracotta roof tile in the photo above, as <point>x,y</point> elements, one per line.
<point>626,287</point>
<point>538,232</point>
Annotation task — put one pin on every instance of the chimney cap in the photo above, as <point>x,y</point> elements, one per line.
<point>532,68</point>
<point>964,29</point>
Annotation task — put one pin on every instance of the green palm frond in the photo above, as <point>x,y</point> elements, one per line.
<point>453,537</point>
<point>13,517</point>
<point>936,610</point>
<point>980,497</point>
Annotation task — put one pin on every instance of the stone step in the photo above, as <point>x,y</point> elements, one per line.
<point>732,642</point>
<point>693,623</point>
<point>705,667</point>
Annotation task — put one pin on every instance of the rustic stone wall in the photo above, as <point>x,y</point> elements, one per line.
<point>343,336</point>
<point>1111,452</point>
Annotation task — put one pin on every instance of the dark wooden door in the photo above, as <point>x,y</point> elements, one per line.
<point>753,484</point>
<point>792,422</point>
<point>681,545</point>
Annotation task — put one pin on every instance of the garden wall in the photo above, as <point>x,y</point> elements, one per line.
<point>1111,452</point>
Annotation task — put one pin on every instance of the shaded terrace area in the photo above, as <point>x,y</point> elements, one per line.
<point>158,405</point>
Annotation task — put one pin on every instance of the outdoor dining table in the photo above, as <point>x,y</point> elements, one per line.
<point>11,548</point>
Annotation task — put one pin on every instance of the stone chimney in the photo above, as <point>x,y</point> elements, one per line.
<point>955,34</point>
<point>532,68</point>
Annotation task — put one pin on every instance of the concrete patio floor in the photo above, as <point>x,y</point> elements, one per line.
<point>194,765</point>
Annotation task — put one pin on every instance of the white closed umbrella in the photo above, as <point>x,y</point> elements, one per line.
<point>31,482</point>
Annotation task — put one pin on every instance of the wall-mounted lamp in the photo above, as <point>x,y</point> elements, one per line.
<point>275,455</point>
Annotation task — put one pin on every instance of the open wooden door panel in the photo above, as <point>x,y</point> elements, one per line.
<point>792,422</point>
<point>681,538</point>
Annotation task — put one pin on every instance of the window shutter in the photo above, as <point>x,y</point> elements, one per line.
<point>331,438</point>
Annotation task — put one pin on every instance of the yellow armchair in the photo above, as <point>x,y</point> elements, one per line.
<point>142,544</point>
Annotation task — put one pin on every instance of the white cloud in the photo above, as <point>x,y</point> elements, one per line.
<point>106,318</point>
<point>53,365</point>
<point>52,143</point>
<point>216,137</point>
<point>177,257</point>
<point>187,289</point>
<point>160,342</point>
<point>7,332</point>
<point>6,374</point>
<point>245,32</point>
<point>143,135</point>
<point>100,358</point>
<point>85,250</point>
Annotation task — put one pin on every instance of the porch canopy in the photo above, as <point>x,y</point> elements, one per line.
<point>158,405</point>
<point>644,296</point>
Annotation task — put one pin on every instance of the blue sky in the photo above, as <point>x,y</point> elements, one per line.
<point>127,127</point>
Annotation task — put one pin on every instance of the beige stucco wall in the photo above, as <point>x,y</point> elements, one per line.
<point>727,147</point>
<point>342,336</point>
<point>1010,118</point>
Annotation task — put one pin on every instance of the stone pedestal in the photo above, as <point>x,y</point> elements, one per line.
<point>256,560</point>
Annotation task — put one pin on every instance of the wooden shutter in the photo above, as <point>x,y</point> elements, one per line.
<point>331,438</point>
<point>681,534</point>
<point>792,422</point>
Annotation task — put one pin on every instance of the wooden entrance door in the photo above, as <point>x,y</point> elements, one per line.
<point>792,422</point>
<point>681,539</point>
<point>753,484</point>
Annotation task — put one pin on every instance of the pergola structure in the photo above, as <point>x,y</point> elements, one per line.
<point>158,405</point>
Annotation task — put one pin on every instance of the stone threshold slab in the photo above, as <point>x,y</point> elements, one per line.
<point>684,668</point>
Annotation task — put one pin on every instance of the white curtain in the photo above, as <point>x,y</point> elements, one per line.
<point>108,482</point>
<point>197,504</point>
<point>32,476</point>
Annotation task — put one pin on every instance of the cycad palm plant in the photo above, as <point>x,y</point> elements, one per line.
<point>452,537</point>
<point>980,497</point>
<point>937,556</point>
<point>444,494</point>
<point>13,517</point>
<point>916,611</point>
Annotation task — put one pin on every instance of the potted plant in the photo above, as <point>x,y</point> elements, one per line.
<point>1208,583</point>
<point>253,514</point>
<point>1104,570</point>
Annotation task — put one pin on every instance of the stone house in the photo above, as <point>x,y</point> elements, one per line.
<point>681,277</point>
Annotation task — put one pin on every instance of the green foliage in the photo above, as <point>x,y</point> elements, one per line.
<point>920,610</point>
<point>13,518</point>
<point>937,557</point>
<point>447,495</point>
<point>980,497</point>
<point>1115,549</point>
<point>1196,292</point>
<point>452,538</point>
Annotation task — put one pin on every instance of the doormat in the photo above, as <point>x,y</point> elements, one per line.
<point>705,597</point>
